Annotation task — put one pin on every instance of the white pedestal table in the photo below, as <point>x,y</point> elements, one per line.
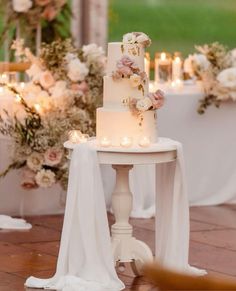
<point>125,247</point>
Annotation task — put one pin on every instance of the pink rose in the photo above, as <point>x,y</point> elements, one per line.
<point>49,13</point>
<point>53,156</point>
<point>125,61</point>
<point>83,86</point>
<point>46,80</point>
<point>28,179</point>
<point>116,76</point>
<point>125,71</point>
<point>157,99</point>
<point>42,2</point>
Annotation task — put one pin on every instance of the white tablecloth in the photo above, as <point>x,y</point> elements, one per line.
<point>209,143</point>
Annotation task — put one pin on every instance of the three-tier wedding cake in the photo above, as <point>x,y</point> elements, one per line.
<point>128,115</point>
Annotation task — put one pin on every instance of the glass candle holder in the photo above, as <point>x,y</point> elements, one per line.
<point>147,61</point>
<point>126,142</point>
<point>177,67</point>
<point>76,136</point>
<point>163,67</point>
<point>144,141</point>
<point>105,141</point>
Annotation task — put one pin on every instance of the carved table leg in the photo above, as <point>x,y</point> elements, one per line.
<point>124,246</point>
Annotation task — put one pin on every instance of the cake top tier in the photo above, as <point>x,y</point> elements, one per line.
<point>133,46</point>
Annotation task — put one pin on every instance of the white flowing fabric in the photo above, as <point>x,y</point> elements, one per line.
<point>85,260</point>
<point>8,222</point>
<point>172,215</point>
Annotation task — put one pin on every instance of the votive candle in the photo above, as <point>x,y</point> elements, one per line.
<point>105,141</point>
<point>162,67</point>
<point>177,68</point>
<point>144,142</point>
<point>126,141</point>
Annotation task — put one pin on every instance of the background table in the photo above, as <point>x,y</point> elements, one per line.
<point>209,143</point>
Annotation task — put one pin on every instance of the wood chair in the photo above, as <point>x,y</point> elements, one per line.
<point>166,279</point>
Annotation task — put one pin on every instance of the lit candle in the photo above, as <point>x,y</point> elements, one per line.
<point>37,107</point>
<point>126,141</point>
<point>147,64</point>
<point>162,67</point>
<point>105,141</point>
<point>22,85</point>
<point>177,84</point>
<point>144,142</point>
<point>76,136</point>
<point>177,68</point>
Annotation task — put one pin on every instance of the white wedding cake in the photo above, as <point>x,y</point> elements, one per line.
<point>128,115</point>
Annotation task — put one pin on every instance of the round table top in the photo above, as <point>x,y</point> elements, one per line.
<point>163,151</point>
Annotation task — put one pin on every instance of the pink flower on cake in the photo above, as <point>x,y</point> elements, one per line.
<point>53,156</point>
<point>157,99</point>
<point>46,80</point>
<point>125,71</point>
<point>28,179</point>
<point>45,178</point>
<point>125,61</point>
<point>135,80</point>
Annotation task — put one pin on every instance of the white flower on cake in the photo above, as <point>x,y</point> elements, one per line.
<point>227,78</point>
<point>45,178</point>
<point>137,38</point>
<point>53,156</point>
<point>135,80</point>
<point>77,71</point>
<point>21,6</point>
<point>35,161</point>
<point>46,80</point>
<point>144,104</point>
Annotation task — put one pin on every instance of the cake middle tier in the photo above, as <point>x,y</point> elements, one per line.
<point>115,92</point>
<point>115,124</point>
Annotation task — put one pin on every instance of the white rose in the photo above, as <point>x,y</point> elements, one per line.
<point>129,38</point>
<point>143,39</point>
<point>35,161</point>
<point>227,78</point>
<point>77,71</point>
<point>34,72</point>
<point>59,89</point>
<point>201,62</point>
<point>135,80</point>
<point>45,178</point>
<point>92,52</point>
<point>21,5</point>
<point>144,104</point>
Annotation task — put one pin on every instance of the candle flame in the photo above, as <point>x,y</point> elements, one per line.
<point>163,56</point>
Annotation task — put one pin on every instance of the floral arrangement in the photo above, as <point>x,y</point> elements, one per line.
<point>25,15</point>
<point>64,90</point>
<point>135,39</point>
<point>127,68</point>
<point>215,66</point>
<point>153,101</point>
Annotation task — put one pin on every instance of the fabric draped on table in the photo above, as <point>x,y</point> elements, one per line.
<point>85,258</point>
<point>10,223</point>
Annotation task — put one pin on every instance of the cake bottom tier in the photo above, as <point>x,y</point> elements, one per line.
<point>114,125</point>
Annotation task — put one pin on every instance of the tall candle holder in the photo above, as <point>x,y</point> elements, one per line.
<point>147,61</point>
<point>162,67</point>
<point>177,67</point>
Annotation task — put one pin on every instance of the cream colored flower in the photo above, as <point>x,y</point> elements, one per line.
<point>135,80</point>
<point>143,39</point>
<point>77,71</point>
<point>46,80</point>
<point>53,156</point>
<point>92,52</point>
<point>34,72</point>
<point>129,38</point>
<point>22,6</point>
<point>35,161</point>
<point>45,178</point>
<point>59,89</point>
<point>227,78</point>
<point>144,104</point>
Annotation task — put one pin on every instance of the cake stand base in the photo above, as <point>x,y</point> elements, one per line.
<point>124,246</point>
